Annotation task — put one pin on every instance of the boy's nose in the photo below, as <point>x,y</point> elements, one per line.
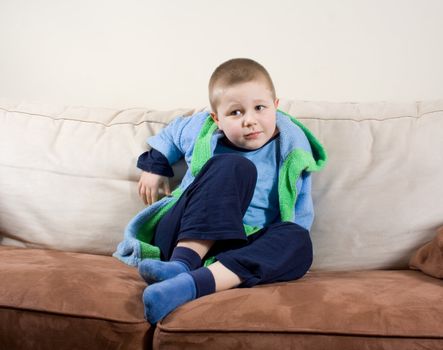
<point>249,119</point>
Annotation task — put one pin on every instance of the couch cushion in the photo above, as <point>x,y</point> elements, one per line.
<point>323,310</point>
<point>61,300</point>
<point>68,176</point>
<point>380,196</point>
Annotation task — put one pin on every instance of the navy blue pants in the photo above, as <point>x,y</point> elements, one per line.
<point>212,208</point>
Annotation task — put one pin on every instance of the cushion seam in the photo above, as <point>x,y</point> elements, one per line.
<point>166,123</point>
<point>81,120</point>
<point>302,331</point>
<point>67,314</point>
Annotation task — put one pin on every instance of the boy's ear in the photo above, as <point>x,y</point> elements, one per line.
<point>215,119</point>
<point>276,102</point>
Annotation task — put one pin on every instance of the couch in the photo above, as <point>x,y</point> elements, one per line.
<point>68,188</point>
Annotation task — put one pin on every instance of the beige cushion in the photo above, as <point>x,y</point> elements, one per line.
<point>68,177</point>
<point>381,195</point>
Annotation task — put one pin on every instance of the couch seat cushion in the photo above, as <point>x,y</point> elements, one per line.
<point>324,310</point>
<point>60,300</point>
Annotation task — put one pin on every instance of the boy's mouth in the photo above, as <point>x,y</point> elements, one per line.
<point>253,135</point>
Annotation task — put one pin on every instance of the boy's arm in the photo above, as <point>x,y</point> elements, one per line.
<point>168,142</point>
<point>304,207</point>
<point>156,171</point>
<point>154,162</point>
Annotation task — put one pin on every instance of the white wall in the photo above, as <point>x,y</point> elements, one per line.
<point>160,54</point>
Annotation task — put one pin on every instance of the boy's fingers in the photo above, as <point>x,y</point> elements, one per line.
<point>154,196</point>
<point>147,196</point>
<point>139,188</point>
<point>141,192</point>
<point>166,188</point>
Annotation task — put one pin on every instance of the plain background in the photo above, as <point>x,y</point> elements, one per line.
<point>160,54</point>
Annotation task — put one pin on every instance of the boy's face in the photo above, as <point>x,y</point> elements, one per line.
<point>246,114</point>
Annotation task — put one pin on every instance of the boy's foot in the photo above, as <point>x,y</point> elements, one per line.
<point>154,271</point>
<point>162,298</point>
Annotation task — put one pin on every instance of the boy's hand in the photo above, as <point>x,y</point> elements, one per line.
<point>149,184</point>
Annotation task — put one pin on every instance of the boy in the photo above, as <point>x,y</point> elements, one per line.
<point>243,209</point>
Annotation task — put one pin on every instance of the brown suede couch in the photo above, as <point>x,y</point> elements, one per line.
<point>376,278</point>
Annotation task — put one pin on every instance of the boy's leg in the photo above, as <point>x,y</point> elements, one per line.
<point>162,298</point>
<point>280,252</point>
<point>211,208</point>
<point>223,277</point>
<point>213,205</point>
<point>186,256</point>
<point>201,247</point>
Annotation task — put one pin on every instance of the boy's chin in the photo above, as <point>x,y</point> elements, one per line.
<point>253,145</point>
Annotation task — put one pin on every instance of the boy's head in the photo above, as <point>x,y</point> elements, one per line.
<point>243,102</point>
<point>237,71</point>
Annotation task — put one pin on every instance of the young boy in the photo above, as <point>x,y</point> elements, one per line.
<point>243,211</point>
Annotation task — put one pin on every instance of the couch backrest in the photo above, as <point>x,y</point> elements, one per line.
<point>68,178</point>
<point>381,194</point>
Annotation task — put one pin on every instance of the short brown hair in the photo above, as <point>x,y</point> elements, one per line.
<point>236,71</point>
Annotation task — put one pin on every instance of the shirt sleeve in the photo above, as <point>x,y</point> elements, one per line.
<point>169,140</point>
<point>154,162</point>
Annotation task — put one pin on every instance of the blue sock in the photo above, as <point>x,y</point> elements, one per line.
<point>182,260</point>
<point>204,281</point>
<point>187,256</point>
<point>162,298</point>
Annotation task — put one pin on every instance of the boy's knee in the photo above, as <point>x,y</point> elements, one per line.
<point>303,242</point>
<point>307,253</point>
<point>306,242</point>
<point>233,163</point>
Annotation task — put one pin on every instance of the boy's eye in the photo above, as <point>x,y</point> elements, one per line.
<point>260,107</point>
<point>235,113</point>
